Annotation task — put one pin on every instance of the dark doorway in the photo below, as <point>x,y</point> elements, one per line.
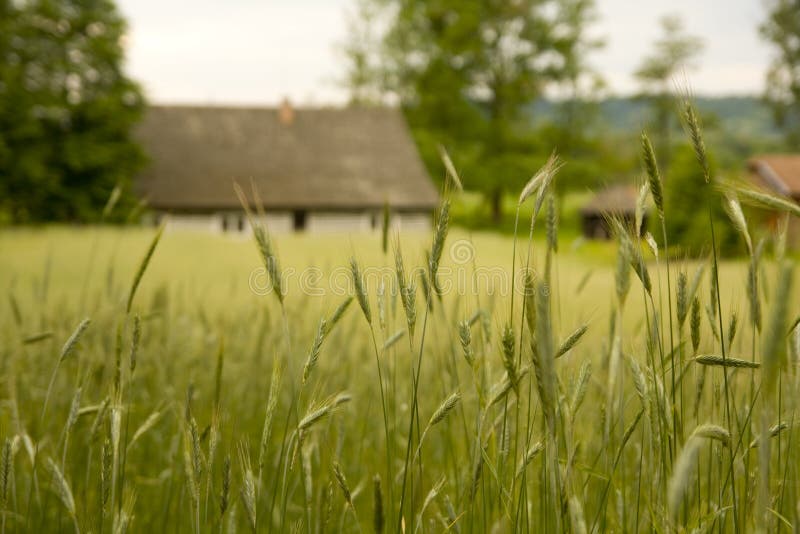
<point>299,220</point>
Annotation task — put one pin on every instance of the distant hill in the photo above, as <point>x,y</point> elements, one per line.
<point>738,116</point>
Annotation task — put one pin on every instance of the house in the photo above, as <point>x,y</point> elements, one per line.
<point>613,201</point>
<point>780,174</point>
<point>321,169</point>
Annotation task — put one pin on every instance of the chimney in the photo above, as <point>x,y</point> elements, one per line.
<point>286,113</point>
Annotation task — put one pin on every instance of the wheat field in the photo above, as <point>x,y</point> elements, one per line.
<point>400,383</point>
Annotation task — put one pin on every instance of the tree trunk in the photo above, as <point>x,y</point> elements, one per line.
<point>496,200</point>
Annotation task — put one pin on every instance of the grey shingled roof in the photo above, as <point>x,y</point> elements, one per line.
<point>335,158</point>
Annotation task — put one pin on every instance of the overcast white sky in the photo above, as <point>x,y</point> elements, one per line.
<point>258,51</point>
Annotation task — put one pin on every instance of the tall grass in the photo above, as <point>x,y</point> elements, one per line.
<point>499,413</point>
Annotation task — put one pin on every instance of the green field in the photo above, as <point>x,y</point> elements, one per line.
<point>203,434</point>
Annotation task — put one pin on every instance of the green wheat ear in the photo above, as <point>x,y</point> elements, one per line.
<point>692,125</point>
<point>137,277</point>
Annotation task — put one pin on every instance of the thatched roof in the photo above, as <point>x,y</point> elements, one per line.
<point>779,172</point>
<point>350,158</point>
<point>613,200</point>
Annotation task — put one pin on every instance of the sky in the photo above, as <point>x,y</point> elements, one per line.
<point>261,51</point>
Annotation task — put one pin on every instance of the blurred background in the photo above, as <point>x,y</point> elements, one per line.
<point>335,110</point>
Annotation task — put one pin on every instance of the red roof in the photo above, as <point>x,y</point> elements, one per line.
<point>779,172</point>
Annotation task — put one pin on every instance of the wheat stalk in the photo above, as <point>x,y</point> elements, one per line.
<point>581,387</point>
<point>450,168</point>
<point>682,476</point>
<point>465,337</point>
<point>316,347</point>
<point>342,481</point>
<point>269,414</point>
<point>429,498</point>
<point>135,340</point>
<point>248,491</point>
<point>736,215</point>
<point>712,431</point>
<point>695,324</point>
<point>377,516</point>
<point>225,491</point>
<point>641,208</point>
<point>766,200</point>
<point>360,290</point>
<point>438,416</point>
<point>773,348</point>
<point>691,123</point>
<point>137,277</point>
<point>439,237</point>
<point>407,290</point>
<point>509,361</point>
<point>66,351</point>
<point>63,491</point>
<point>148,423</point>
<point>530,454</point>
<point>727,361</point>
<point>571,340</point>
<point>6,473</point>
<point>392,340</point>
<point>338,313</point>
<point>653,176</point>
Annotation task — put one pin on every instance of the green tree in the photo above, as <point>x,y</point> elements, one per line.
<point>687,197</point>
<point>66,109</point>
<point>363,77</point>
<point>782,29</point>
<point>673,53</point>
<point>465,70</point>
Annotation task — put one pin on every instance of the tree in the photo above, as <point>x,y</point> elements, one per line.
<point>782,29</point>
<point>674,52</point>
<point>465,70</point>
<point>689,227</point>
<point>363,76</point>
<point>66,109</point>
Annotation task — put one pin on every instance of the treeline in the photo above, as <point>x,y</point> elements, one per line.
<point>480,78</point>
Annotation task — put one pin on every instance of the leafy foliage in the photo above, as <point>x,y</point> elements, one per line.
<point>66,109</point>
<point>687,201</point>
<point>674,51</point>
<point>782,29</point>
<point>464,72</point>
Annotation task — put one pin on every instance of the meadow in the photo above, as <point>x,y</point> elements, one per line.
<point>451,382</point>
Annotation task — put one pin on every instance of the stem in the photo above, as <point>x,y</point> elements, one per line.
<point>383,405</point>
<point>724,368</point>
<point>415,387</point>
<point>671,340</point>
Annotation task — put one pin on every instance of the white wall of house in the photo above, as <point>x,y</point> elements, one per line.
<point>320,222</point>
<point>412,222</point>
<point>236,223</point>
<point>191,222</point>
<point>369,221</point>
<point>276,222</point>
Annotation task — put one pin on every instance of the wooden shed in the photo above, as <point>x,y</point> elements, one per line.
<point>779,173</point>
<point>613,201</point>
